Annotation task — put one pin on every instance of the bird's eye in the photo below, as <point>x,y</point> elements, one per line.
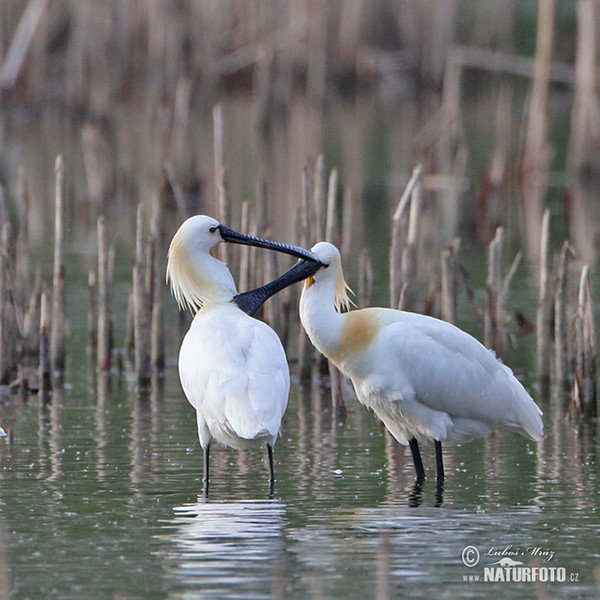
<point>326,266</point>
<point>213,228</point>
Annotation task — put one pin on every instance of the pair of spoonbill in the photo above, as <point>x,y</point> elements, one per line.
<point>424,378</point>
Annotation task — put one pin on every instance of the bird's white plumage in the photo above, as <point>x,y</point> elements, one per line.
<point>232,367</point>
<point>234,372</point>
<point>423,377</point>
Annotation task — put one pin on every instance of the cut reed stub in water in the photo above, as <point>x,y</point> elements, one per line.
<point>58,346</point>
<point>585,388</point>
<point>544,311</point>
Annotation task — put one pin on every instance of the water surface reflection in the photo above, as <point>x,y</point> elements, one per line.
<point>226,549</point>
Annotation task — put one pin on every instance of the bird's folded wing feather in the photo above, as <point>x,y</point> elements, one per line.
<point>448,370</point>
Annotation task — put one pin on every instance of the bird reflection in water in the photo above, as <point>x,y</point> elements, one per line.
<point>223,547</point>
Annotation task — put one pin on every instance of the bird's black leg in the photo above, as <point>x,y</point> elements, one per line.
<point>206,452</point>
<point>416,456</point>
<point>439,461</point>
<point>271,469</point>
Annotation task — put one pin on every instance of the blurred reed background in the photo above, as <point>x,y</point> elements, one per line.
<point>300,120</point>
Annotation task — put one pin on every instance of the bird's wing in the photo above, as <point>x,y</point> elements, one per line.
<point>448,370</point>
<point>234,371</point>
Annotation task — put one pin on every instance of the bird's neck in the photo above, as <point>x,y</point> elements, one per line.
<point>219,286</point>
<point>321,321</point>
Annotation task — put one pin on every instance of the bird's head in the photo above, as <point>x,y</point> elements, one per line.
<point>197,277</point>
<point>331,271</point>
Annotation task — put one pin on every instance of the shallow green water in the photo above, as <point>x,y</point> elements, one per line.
<point>100,496</point>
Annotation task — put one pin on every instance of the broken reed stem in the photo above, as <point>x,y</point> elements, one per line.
<point>545,310</point>
<point>563,353</point>
<point>9,334</point>
<point>346,223</point>
<point>92,319</point>
<point>31,321</point>
<point>58,348</point>
<point>222,217</point>
<point>244,277</point>
<point>158,268</point>
<point>45,369</point>
<point>449,285</point>
<point>398,236</point>
<point>141,307</point>
<point>20,42</point>
<point>105,320</point>
<point>365,278</point>
<point>271,309</point>
<point>305,348</point>
<point>494,283</point>
<point>319,199</point>
<point>332,190</point>
<point>585,391</point>
<point>410,252</point>
<point>218,147</point>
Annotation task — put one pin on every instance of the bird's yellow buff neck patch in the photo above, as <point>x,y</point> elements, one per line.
<point>358,330</point>
<point>308,282</point>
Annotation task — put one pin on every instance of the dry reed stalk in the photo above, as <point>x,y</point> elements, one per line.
<point>218,146</point>
<point>158,269</point>
<point>410,252</point>
<point>585,114</point>
<point>244,277</point>
<point>9,334</point>
<point>58,347</point>
<point>272,308</point>
<point>449,284</point>
<point>563,352</point>
<point>31,321</point>
<point>583,161</point>
<point>536,154</point>
<point>494,283</point>
<point>219,175</point>
<point>92,319</point>
<point>492,206</point>
<point>141,307</point>
<point>330,220</point>
<point>129,341</point>
<point>183,211</point>
<point>496,333</point>
<point>105,319</point>
<point>544,310</point>
<point>347,223</point>
<point>45,368</point>
<point>13,60</point>
<point>22,252</point>
<point>305,348</point>
<point>398,236</point>
<point>585,389</point>
<point>365,278</point>
<point>319,199</point>
<point>499,61</point>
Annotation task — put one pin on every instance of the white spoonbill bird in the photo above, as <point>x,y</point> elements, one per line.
<point>232,367</point>
<point>424,378</point>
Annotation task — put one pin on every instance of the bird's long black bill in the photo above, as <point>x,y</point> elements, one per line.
<point>251,301</point>
<point>234,237</point>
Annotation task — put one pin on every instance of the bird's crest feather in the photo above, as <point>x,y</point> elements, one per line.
<point>343,302</point>
<point>184,279</point>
